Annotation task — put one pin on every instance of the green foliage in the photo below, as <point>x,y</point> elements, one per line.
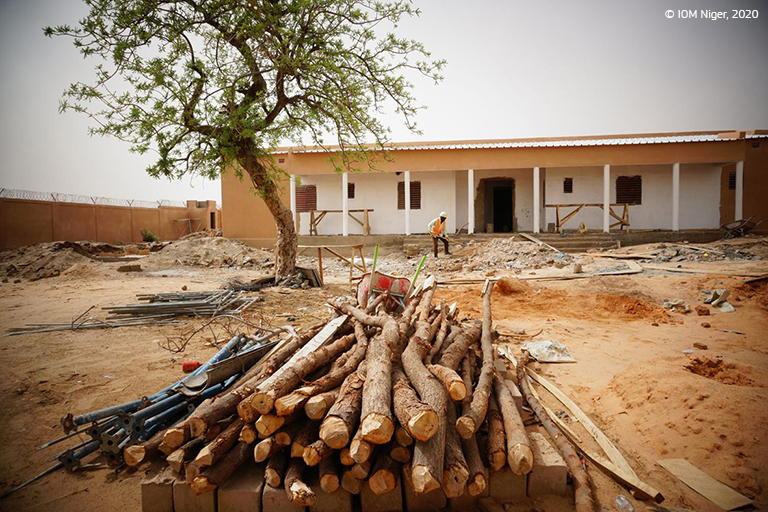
<point>202,83</point>
<point>148,236</point>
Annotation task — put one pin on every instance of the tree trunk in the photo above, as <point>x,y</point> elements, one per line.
<point>581,488</point>
<point>306,436</point>
<point>186,453</point>
<point>317,406</point>
<point>476,482</point>
<point>217,474</point>
<point>275,470</point>
<point>144,452</point>
<point>454,385</point>
<point>265,448</point>
<point>329,474</point>
<point>287,239</point>
<point>219,446</point>
<point>519,453</point>
<point>456,469</point>
<point>497,451</point>
<point>298,491</point>
<point>316,452</point>
<point>418,418</point>
<point>384,476</point>
<point>343,416</point>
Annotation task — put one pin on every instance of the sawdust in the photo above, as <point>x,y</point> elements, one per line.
<point>721,371</point>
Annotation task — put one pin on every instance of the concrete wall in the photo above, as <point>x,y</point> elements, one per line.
<point>245,216</point>
<point>378,190</point>
<point>756,182</point>
<point>699,195</point>
<point>26,222</point>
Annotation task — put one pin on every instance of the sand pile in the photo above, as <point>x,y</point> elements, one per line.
<point>208,251</point>
<point>39,261</point>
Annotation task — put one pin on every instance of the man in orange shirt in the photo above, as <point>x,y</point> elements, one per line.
<point>437,231</point>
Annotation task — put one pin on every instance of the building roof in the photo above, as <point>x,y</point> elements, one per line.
<point>608,140</point>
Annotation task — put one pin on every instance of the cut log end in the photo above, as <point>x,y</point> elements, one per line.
<point>202,484</point>
<point>351,484</point>
<point>335,432</point>
<point>400,454</point>
<point>290,403</point>
<point>176,460</point>
<point>346,457</point>
<point>262,402</point>
<point>192,471</point>
<point>329,482</point>
<point>197,427</point>
<point>382,482</point>
<point>477,485</point>
<point>497,460</point>
<point>423,425</point>
<point>134,455</point>
<point>246,412</point>
<point>402,437</point>
<point>272,477</point>
<point>311,456</point>
<point>265,449</point>
<point>423,481</point>
<point>316,407</point>
<point>377,428</point>
<point>454,481</point>
<point>360,450</point>
<point>466,427</point>
<point>520,459</point>
<point>268,424</point>
<point>300,494</point>
<point>175,437</point>
<point>457,390</point>
<point>282,438</point>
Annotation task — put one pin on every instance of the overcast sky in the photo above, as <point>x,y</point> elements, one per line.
<point>515,69</point>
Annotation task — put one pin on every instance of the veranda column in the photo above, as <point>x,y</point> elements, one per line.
<point>345,204</point>
<point>739,211</point>
<point>675,197</point>
<point>293,202</point>
<point>607,198</point>
<point>536,200</point>
<point>471,200</point>
<point>407,187</point>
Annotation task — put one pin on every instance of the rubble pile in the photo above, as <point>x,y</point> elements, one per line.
<point>675,253</point>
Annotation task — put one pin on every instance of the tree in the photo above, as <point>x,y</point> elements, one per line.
<point>211,85</point>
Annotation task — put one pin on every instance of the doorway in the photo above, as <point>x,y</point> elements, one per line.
<point>499,209</point>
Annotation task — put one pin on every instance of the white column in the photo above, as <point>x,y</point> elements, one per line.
<point>407,186</point>
<point>607,198</point>
<point>536,200</point>
<point>739,211</point>
<point>471,201</point>
<point>293,202</point>
<point>345,203</point>
<point>675,197</point>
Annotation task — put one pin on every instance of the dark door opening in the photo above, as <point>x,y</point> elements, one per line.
<point>496,205</point>
<point>213,220</point>
<point>502,208</point>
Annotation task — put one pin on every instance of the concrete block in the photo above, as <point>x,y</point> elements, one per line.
<point>488,504</point>
<point>242,491</point>
<point>429,502</point>
<point>340,500</point>
<point>468,502</point>
<point>389,502</point>
<point>157,491</point>
<point>184,500</point>
<point>276,500</point>
<point>550,473</point>
<point>507,486</point>
<point>517,396</point>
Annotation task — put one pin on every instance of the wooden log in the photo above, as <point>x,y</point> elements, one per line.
<point>428,456</point>
<point>248,434</point>
<point>400,453</point>
<point>384,474</point>
<point>288,433</point>
<point>297,490</point>
<point>476,482</point>
<point>217,474</point>
<point>359,449</point>
<point>341,368</point>
<point>455,352</point>
<point>402,436</point>
<point>175,437</point>
<point>306,436</point>
<point>582,490</point>
<point>317,406</point>
<point>440,336</point>
<point>456,469</point>
<point>275,470</point>
<point>329,474</point>
<point>519,452</point>
<point>361,471</point>
<point>338,426</point>
<point>215,409</point>
<point>268,424</point>
<point>143,452</point>
<point>470,421</point>
<point>450,379</point>
<point>263,401</point>
<point>345,457</point>
<point>212,432</point>
<point>417,417</point>
<point>187,452</point>
<point>265,449</point>
<point>219,446</point>
<point>349,483</point>
<point>377,423</point>
<point>497,450</point>
<point>316,452</point>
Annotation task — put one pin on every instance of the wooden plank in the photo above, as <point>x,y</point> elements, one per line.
<point>714,490</point>
<point>320,339</point>
<point>537,241</point>
<point>696,271</point>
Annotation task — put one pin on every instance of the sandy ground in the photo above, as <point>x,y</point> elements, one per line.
<point>631,377</point>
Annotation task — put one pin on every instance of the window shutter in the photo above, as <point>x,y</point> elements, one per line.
<point>568,185</point>
<point>629,189</point>
<point>732,180</point>
<point>350,190</point>
<point>401,195</point>
<point>415,195</point>
<point>306,198</point>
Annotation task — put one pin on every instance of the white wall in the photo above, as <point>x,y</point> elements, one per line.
<point>378,190</point>
<point>461,199</point>
<point>699,195</point>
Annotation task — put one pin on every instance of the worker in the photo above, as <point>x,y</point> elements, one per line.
<point>437,230</point>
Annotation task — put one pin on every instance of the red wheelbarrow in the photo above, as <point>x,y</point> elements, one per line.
<point>739,228</point>
<point>375,283</point>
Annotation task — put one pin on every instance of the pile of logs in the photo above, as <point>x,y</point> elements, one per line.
<point>360,397</point>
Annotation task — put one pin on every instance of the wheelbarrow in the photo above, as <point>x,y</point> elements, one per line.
<point>739,228</point>
<point>375,283</point>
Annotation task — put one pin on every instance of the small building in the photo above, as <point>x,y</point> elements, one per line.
<point>665,181</point>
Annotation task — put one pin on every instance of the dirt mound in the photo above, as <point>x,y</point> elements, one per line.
<point>719,370</point>
<point>757,292</point>
<point>631,306</point>
<point>208,251</point>
<point>506,253</point>
<point>513,286</point>
<point>39,261</point>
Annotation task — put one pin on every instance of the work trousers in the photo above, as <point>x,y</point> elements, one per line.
<point>445,243</point>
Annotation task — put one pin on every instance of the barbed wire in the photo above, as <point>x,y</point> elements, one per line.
<point>33,195</point>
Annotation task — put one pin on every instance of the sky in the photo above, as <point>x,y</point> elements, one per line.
<point>514,69</point>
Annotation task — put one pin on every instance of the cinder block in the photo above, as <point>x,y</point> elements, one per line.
<point>389,502</point>
<point>184,500</point>
<point>517,396</point>
<point>468,502</point>
<point>340,500</point>
<point>157,491</point>
<point>550,473</point>
<point>434,500</point>
<point>242,491</point>
<point>275,499</point>
<point>507,486</point>
<point>505,370</point>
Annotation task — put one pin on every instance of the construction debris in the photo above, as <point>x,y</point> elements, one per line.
<point>166,305</point>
